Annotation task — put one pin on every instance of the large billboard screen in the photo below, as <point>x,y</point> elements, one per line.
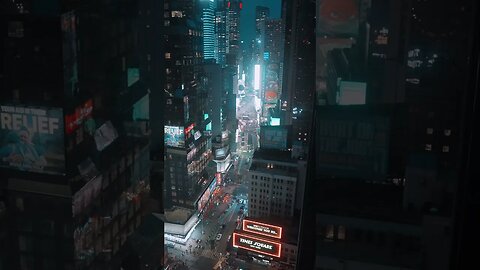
<point>174,136</point>
<point>352,93</point>
<point>262,228</point>
<point>272,88</point>
<point>32,139</point>
<point>338,17</point>
<point>257,245</point>
<point>206,195</point>
<point>274,137</point>
<point>257,78</point>
<point>352,141</point>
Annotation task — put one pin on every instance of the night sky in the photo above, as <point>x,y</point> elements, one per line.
<point>247,23</point>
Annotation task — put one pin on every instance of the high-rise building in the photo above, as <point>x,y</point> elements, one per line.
<point>233,31</point>
<point>221,37</point>
<point>209,36</point>
<point>275,181</point>
<point>261,15</point>
<point>298,87</point>
<point>406,218</point>
<point>273,67</point>
<point>75,150</point>
<point>187,148</point>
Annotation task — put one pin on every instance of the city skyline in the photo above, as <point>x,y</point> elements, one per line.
<point>230,134</point>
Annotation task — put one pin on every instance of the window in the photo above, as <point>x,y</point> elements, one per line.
<point>177,14</point>
<point>167,23</point>
<point>428,147</point>
<point>341,232</point>
<point>168,55</point>
<point>15,29</point>
<point>445,149</point>
<point>329,232</point>
<point>429,131</point>
<point>447,132</point>
<point>19,204</point>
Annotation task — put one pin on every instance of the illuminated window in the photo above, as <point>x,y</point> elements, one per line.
<point>167,23</point>
<point>447,132</point>
<point>168,55</point>
<point>428,147</point>
<point>445,149</point>
<point>429,130</point>
<point>177,14</point>
<point>329,232</point>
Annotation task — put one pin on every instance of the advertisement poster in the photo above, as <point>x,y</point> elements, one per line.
<point>82,113</point>
<point>257,245</point>
<point>262,228</point>
<point>338,17</point>
<point>174,136</point>
<point>31,139</point>
<point>272,86</point>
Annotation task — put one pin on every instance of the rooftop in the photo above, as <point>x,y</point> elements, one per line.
<point>178,215</point>
<point>273,155</point>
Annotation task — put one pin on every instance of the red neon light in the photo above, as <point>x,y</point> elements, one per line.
<point>228,4</point>
<point>279,246</point>
<point>187,130</point>
<point>241,5</point>
<point>244,227</point>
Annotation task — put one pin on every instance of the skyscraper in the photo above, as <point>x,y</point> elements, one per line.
<point>209,36</point>
<point>261,15</point>
<point>233,31</point>
<point>187,149</point>
<point>407,193</point>
<point>298,87</point>
<point>221,38</point>
<point>75,174</point>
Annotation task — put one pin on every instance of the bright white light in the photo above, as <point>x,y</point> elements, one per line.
<point>256,84</point>
<point>243,76</point>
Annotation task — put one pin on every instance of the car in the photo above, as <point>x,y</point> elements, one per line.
<point>219,236</point>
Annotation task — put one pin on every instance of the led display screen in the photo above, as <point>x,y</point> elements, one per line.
<point>262,228</point>
<point>74,120</point>
<point>257,245</point>
<point>32,139</point>
<point>256,78</point>
<point>174,136</point>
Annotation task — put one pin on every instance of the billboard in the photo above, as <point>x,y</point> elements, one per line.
<point>174,136</point>
<point>32,139</point>
<point>105,135</point>
<point>82,112</point>
<point>221,152</point>
<point>274,137</point>
<point>262,228</point>
<point>257,78</point>
<point>352,93</point>
<point>274,121</point>
<point>272,87</point>
<point>257,245</point>
<point>338,17</point>
<point>206,195</point>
